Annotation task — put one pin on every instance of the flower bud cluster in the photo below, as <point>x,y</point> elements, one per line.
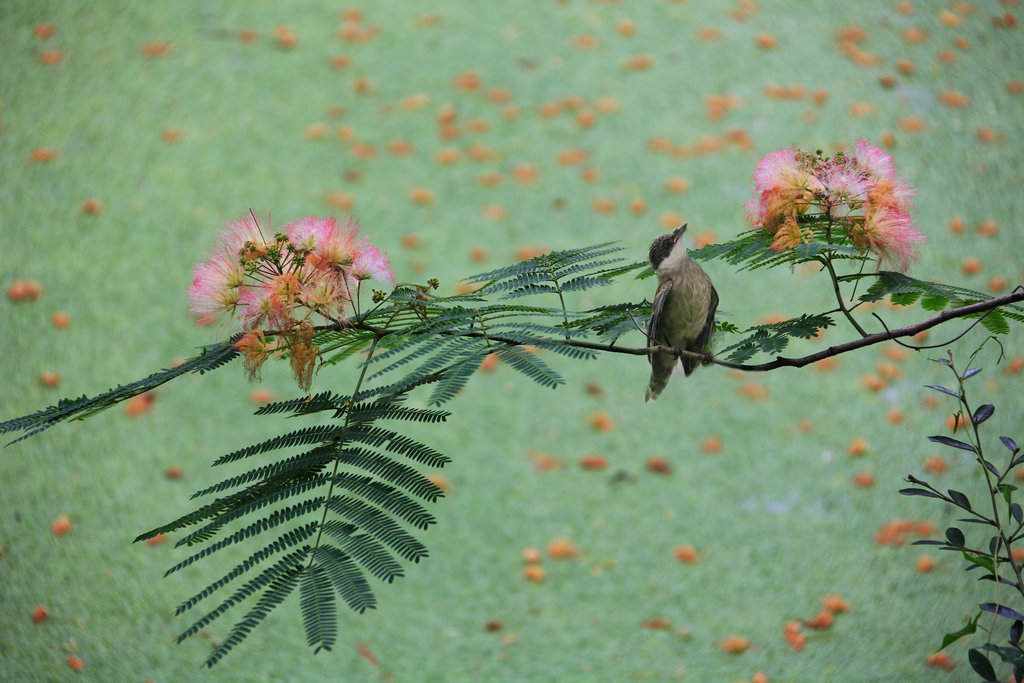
<point>283,284</point>
<point>853,197</point>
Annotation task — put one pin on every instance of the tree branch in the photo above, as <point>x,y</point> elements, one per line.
<point>779,362</point>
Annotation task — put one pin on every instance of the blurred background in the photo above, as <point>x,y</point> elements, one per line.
<point>464,136</point>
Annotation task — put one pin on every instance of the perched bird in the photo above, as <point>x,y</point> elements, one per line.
<point>683,314</point>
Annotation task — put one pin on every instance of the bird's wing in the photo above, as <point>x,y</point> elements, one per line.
<point>660,295</point>
<point>709,325</point>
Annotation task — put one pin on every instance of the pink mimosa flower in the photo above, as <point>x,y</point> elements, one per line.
<point>890,233</point>
<point>237,234</point>
<point>371,262</point>
<point>845,188</point>
<point>877,163</point>
<point>310,233</point>
<point>216,286</point>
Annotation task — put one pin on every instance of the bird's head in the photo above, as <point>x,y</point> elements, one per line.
<point>662,246</point>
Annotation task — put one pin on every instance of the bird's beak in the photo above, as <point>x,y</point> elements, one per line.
<point>678,232</point>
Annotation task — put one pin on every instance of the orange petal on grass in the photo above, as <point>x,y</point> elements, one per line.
<point>39,614</point>
<point>261,396</point>
<point>51,57</point>
<point>534,572</point>
<point>734,644</point>
<point>601,421</point>
<point>996,284</point>
<point>971,266</point>
<point>671,219</point>
<point>639,62</point>
<point>529,252</point>
<point>911,124</point>
<point>686,553</point>
<point>658,623</point>
<point>531,555</point>
<point>1014,366</point>
<point>915,34</point>
<point>766,41</point>
<point>593,462</point>
<point>711,444</point>
<point>420,195</point>
<point>823,619</point>
<point>75,663</point>
<point>872,382</point>
<point>545,462</point>
<point>584,41</point>
<point>139,405</point>
<point>91,206</point>
<point>495,212</point>
<point>857,447</point>
<point>339,199</point>
<point>988,228</point>
<point>440,481</point>
<point>935,464</point>
<point>677,185</point>
<point>925,564</point>
<point>44,31</point>
<point>562,549</point>
<point>61,525</point>
<point>489,363</point>
<point>572,156</point>
<point>156,540</point>
<point>940,660</point>
<point>895,416</point>
<point>904,66</point>
<point>752,391</point>
<point>173,472</point>
<point>658,465</point>
<point>953,98</point>
<point>864,480</point>
<point>835,603</point>
<point>602,205</point>
<point>42,155</point>
<point>795,638</point>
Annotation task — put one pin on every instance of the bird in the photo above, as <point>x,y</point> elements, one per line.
<point>683,312</point>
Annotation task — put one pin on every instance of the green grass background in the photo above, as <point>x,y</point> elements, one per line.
<point>774,515</point>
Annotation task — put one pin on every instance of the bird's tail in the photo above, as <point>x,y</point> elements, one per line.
<point>660,374</point>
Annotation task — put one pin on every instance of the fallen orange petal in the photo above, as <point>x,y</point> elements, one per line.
<point>835,603</point>
<point>734,644</point>
<point>823,619</point>
<point>658,465</point>
<point>61,525</point>
<point>940,660</point>
<point>602,422</point>
<point>534,572</point>
<point>562,549</point>
<point>687,553</point>
<point>657,623</point>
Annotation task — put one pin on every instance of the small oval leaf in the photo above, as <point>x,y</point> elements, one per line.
<point>953,443</point>
<point>1001,610</point>
<point>955,537</point>
<point>1009,443</point>
<point>1016,631</point>
<point>1017,513</point>
<point>970,372</point>
<point>982,666</point>
<point>960,499</point>
<point>944,390</point>
<point>920,492</point>
<point>983,413</point>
